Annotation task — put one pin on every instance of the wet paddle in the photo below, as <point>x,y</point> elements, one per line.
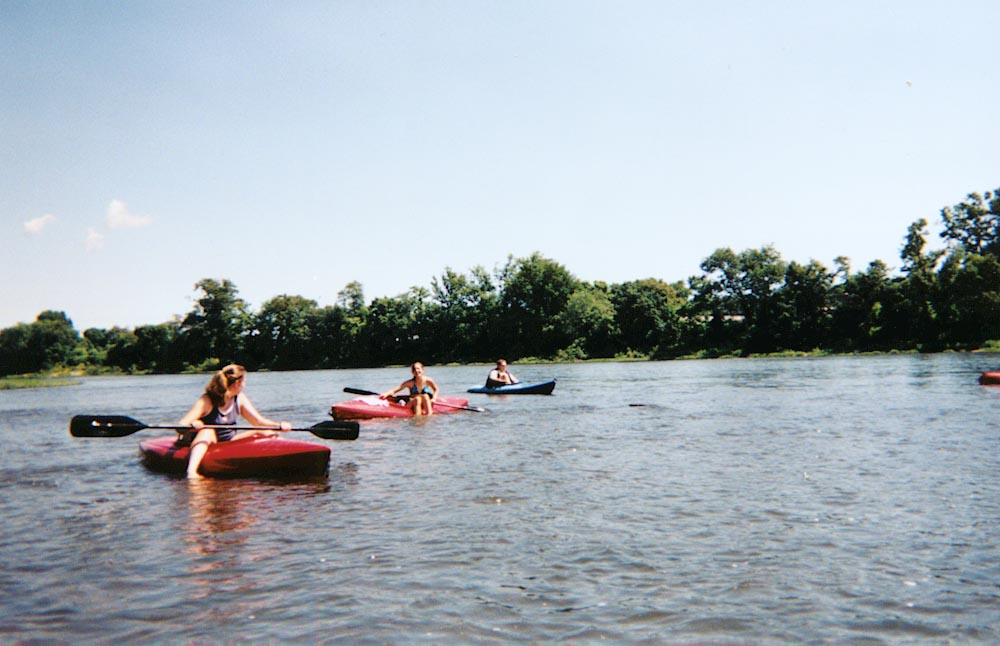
<point>120,426</point>
<point>359,391</point>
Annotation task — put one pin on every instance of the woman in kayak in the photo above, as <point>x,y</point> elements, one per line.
<point>222,405</point>
<point>499,376</point>
<point>421,390</point>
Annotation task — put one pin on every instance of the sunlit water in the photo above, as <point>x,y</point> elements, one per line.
<point>835,500</point>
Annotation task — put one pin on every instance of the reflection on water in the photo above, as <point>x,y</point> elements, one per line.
<point>216,512</point>
<point>222,513</point>
<point>216,526</point>
<point>232,542</point>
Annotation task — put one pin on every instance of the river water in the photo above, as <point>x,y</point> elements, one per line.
<point>765,501</point>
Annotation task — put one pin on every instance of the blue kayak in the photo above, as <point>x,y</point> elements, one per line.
<point>542,388</point>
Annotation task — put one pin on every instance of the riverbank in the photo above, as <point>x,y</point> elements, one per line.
<point>19,382</point>
<point>65,376</point>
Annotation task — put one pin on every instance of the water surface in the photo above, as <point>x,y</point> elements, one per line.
<point>828,500</point>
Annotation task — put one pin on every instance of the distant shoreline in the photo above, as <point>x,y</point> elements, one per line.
<point>21,382</point>
<point>67,377</point>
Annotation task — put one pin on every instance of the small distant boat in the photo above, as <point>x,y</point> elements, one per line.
<point>247,457</point>
<point>541,388</point>
<point>990,379</point>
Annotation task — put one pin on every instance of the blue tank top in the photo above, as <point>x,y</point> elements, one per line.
<point>216,417</point>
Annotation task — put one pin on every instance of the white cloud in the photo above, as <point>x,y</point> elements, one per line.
<point>119,217</point>
<point>34,227</point>
<point>94,240</point>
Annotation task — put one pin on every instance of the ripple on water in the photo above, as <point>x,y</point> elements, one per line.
<point>743,502</point>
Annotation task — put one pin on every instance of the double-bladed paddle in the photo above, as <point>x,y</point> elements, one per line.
<point>120,426</point>
<point>359,391</point>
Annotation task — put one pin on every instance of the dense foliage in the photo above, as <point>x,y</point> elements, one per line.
<point>741,303</point>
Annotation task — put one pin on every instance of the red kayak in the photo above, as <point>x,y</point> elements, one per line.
<point>253,456</point>
<point>371,407</point>
<point>990,379</point>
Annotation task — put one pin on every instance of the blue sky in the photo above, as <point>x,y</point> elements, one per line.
<point>295,147</point>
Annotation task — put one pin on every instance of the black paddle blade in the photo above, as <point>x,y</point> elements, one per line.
<point>360,391</point>
<point>104,426</point>
<point>336,430</point>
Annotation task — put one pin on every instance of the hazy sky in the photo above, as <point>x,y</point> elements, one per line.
<point>293,147</point>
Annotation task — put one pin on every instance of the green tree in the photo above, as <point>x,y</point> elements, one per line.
<point>589,321</point>
<point>534,296</point>
<point>974,223</point>
<point>284,333</point>
<point>154,348</point>
<point>398,328</point>
<point>343,328</point>
<point>95,342</point>
<point>805,313</point>
<point>123,350</point>
<point>915,319</point>
<point>54,337</point>
<point>467,312</point>
<point>15,357</point>
<point>708,325</point>
<point>215,330</point>
<point>858,317</point>
<point>647,314</point>
<point>742,288</point>
<point>967,298</point>
<point>147,348</point>
<point>52,341</point>
<point>352,298</point>
<point>338,340</point>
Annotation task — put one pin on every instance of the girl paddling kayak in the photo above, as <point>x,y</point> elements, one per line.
<point>222,405</point>
<point>421,390</point>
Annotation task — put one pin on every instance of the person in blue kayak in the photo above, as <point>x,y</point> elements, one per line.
<point>421,390</point>
<point>499,376</point>
<point>222,404</point>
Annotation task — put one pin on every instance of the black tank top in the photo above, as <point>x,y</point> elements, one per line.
<point>216,417</point>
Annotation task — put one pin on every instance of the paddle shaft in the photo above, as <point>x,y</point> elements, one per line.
<point>120,426</point>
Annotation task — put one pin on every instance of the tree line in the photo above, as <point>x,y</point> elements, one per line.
<point>750,302</point>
